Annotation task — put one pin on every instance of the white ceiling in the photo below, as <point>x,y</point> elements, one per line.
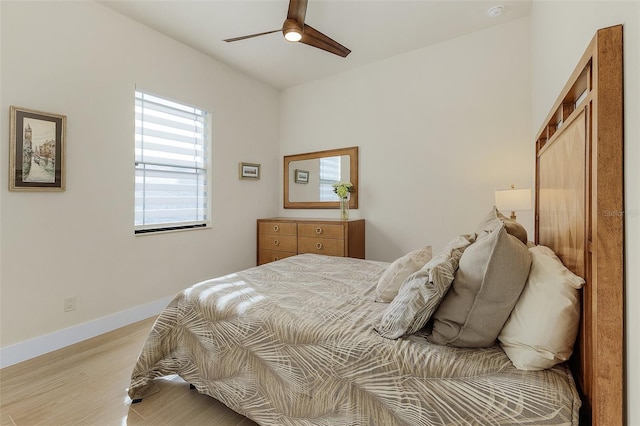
<point>372,29</point>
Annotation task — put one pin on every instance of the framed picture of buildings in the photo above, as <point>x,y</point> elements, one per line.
<point>36,156</point>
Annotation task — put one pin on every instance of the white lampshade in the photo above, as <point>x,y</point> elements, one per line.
<point>513,200</point>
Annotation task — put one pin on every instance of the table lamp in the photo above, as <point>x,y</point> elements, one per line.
<point>513,199</point>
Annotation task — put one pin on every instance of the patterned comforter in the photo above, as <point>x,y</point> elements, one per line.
<point>292,343</point>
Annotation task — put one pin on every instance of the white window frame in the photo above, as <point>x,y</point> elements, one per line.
<point>172,180</point>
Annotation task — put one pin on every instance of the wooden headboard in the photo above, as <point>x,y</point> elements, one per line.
<point>579,214</point>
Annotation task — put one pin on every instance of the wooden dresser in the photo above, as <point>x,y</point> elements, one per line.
<point>280,237</point>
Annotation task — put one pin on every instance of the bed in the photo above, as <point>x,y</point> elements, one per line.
<point>299,341</point>
<point>314,357</point>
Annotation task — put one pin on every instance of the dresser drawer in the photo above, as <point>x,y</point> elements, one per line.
<point>266,256</point>
<point>321,230</point>
<point>278,242</point>
<point>328,246</point>
<point>277,228</point>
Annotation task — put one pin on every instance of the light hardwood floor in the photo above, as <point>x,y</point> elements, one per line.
<point>85,384</point>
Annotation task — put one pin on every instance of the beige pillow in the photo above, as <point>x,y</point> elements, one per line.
<point>488,224</point>
<point>544,323</point>
<point>422,291</point>
<point>489,280</point>
<point>395,274</point>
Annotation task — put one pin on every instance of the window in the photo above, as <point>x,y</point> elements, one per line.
<point>171,164</point>
<point>329,174</point>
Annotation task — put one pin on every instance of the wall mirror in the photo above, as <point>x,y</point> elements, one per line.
<point>308,178</point>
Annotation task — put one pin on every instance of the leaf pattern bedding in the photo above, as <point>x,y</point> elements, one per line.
<point>293,343</point>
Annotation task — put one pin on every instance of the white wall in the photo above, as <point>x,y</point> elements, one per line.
<point>561,32</point>
<point>83,60</point>
<point>439,129</point>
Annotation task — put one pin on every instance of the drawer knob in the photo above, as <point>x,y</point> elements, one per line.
<point>276,242</point>
<point>319,246</point>
<point>275,258</point>
<point>318,230</point>
<point>276,228</point>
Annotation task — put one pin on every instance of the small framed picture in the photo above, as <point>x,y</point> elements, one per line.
<point>249,171</point>
<point>36,155</point>
<point>301,176</point>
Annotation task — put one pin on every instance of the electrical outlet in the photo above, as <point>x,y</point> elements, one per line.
<point>70,304</point>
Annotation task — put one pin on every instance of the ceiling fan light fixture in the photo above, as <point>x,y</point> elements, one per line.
<point>293,35</point>
<point>291,30</point>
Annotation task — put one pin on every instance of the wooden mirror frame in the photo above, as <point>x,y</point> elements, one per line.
<point>352,152</point>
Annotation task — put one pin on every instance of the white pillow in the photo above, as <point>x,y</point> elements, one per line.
<point>544,323</point>
<point>393,277</point>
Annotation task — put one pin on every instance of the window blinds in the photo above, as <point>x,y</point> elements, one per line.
<point>329,174</point>
<point>171,165</point>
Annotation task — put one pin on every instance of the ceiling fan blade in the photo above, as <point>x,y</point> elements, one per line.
<point>315,38</point>
<point>251,35</point>
<point>297,11</point>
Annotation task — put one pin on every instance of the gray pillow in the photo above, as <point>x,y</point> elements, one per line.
<point>421,293</point>
<point>491,275</point>
<point>490,222</point>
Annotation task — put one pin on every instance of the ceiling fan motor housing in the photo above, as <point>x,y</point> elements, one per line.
<point>291,30</point>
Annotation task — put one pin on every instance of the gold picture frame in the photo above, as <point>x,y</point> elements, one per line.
<point>249,171</point>
<point>36,150</point>
<point>301,176</point>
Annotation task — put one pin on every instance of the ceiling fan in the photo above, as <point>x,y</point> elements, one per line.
<point>294,29</point>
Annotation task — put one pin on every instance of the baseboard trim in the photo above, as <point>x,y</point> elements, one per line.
<point>41,345</point>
